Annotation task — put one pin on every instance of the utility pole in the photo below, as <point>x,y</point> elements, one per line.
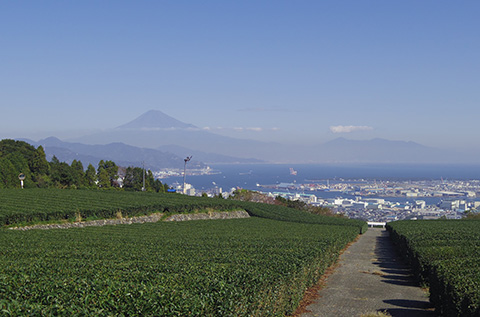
<point>188,158</point>
<point>143,188</point>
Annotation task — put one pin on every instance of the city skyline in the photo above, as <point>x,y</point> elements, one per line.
<point>278,71</point>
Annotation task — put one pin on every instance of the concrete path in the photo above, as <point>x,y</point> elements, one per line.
<point>371,277</point>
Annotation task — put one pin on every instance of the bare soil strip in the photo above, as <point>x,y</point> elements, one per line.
<point>370,278</point>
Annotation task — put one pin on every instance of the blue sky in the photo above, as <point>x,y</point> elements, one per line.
<point>286,71</point>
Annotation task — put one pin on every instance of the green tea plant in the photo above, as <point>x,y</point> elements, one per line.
<point>241,267</point>
<point>445,255</point>
<point>31,205</point>
<point>24,206</point>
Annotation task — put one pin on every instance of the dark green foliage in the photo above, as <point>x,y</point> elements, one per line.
<point>133,178</point>
<point>78,174</point>
<point>250,195</point>
<point>290,214</point>
<point>90,177</point>
<point>20,157</point>
<point>297,204</point>
<point>444,254</point>
<point>159,187</point>
<point>107,174</point>
<point>25,150</point>
<point>240,267</point>
<point>300,205</point>
<point>244,267</point>
<point>8,174</point>
<point>40,165</point>
<point>55,204</point>
<point>472,214</point>
<point>62,175</point>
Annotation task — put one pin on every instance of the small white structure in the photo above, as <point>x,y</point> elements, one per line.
<point>376,224</point>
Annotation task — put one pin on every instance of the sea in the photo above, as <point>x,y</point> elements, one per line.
<point>249,176</point>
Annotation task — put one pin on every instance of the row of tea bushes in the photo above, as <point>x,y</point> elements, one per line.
<point>240,267</point>
<point>33,205</point>
<point>445,255</point>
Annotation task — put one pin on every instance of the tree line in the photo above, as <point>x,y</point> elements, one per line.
<point>18,157</point>
<point>253,196</point>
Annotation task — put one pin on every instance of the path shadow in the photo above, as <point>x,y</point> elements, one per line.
<point>396,271</point>
<point>408,303</point>
<point>405,312</point>
<point>403,283</point>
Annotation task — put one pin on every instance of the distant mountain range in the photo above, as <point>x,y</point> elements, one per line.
<point>381,151</point>
<point>155,130</point>
<point>207,157</point>
<point>162,142</point>
<point>121,154</point>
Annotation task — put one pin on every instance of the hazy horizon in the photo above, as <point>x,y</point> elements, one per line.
<point>282,71</point>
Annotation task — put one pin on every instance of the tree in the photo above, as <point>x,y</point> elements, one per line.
<point>90,177</point>
<point>25,150</point>
<point>104,179</point>
<point>111,170</point>
<point>159,187</point>
<point>62,174</point>
<point>20,165</point>
<point>40,164</point>
<point>8,175</point>
<point>469,214</point>
<point>54,161</point>
<point>248,195</point>
<point>150,181</point>
<point>166,188</point>
<point>78,174</point>
<point>133,178</point>
<point>23,158</point>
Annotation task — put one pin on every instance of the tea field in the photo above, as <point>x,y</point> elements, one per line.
<point>445,255</point>
<point>241,267</point>
<point>32,205</point>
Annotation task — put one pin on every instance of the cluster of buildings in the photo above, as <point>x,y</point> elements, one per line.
<point>383,210</point>
<point>410,189</point>
<point>178,172</point>
<point>388,200</point>
<point>376,202</point>
<point>212,192</point>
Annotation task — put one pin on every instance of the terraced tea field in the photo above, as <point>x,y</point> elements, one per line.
<point>240,267</point>
<point>55,204</point>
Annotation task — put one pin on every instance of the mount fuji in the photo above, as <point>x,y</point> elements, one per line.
<point>156,130</point>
